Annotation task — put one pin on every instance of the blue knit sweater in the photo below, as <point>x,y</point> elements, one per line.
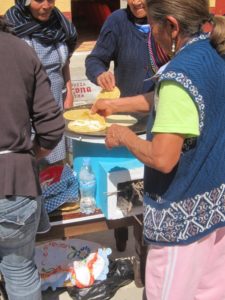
<point>121,42</point>
<point>189,203</point>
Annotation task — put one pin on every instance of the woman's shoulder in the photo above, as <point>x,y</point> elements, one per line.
<point>19,47</point>
<point>11,40</point>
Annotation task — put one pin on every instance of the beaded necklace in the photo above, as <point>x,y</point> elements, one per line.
<point>153,63</point>
<point>162,57</point>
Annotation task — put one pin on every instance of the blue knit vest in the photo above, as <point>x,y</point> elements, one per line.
<point>189,203</point>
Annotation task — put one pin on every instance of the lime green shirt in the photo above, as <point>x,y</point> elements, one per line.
<point>176,112</point>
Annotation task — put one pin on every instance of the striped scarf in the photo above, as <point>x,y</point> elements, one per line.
<point>156,54</point>
<point>56,29</point>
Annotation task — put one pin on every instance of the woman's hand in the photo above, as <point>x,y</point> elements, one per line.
<point>162,153</point>
<point>116,136</point>
<point>68,102</point>
<point>106,81</point>
<point>104,107</point>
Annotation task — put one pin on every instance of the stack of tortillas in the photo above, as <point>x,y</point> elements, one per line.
<point>83,121</point>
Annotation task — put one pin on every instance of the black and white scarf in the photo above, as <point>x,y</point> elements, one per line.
<point>56,29</point>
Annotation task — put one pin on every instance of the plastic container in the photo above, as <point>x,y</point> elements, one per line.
<point>87,184</point>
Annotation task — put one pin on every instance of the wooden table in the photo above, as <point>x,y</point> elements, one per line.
<point>74,224</point>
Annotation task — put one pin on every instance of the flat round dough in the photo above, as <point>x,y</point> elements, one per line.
<point>72,115</point>
<point>86,123</point>
<point>123,120</point>
<point>82,126</point>
<point>114,94</point>
<point>69,206</point>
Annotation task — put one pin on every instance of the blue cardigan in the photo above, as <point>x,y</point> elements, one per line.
<point>121,42</point>
<point>189,203</point>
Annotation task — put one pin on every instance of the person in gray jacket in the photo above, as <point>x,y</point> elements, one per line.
<point>26,102</point>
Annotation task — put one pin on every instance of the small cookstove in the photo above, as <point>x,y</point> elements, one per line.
<point>111,167</point>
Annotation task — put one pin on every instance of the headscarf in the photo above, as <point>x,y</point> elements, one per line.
<point>56,29</point>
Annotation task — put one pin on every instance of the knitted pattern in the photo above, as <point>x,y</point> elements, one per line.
<point>189,203</point>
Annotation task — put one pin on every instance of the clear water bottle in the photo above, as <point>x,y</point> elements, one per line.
<point>87,183</point>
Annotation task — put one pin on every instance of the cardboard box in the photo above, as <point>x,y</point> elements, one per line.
<point>84,91</point>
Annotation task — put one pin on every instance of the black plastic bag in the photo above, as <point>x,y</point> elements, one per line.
<point>120,274</point>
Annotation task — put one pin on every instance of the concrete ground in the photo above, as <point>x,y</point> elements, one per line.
<point>128,292</point>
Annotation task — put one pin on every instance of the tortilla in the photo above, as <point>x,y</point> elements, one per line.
<point>69,206</point>
<point>123,120</point>
<point>104,94</point>
<point>75,114</point>
<point>85,122</point>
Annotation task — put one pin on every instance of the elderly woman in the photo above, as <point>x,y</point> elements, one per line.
<point>184,156</point>
<point>126,40</point>
<point>53,38</point>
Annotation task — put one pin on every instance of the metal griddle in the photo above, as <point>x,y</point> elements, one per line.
<point>138,128</point>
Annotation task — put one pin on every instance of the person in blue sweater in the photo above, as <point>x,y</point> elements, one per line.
<point>126,40</point>
<point>184,154</point>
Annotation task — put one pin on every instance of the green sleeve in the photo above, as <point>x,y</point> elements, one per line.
<point>176,112</point>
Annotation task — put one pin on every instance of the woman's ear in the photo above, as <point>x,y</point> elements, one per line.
<point>173,26</point>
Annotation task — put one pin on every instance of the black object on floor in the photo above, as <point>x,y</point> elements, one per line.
<point>121,237</point>
<point>3,294</point>
<point>120,274</point>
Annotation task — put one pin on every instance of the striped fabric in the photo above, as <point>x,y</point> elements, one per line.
<point>56,29</point>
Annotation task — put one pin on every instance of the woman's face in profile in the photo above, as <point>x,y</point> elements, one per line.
<point>162,34</point>
<point>137,8</point>
<point>41,9</point>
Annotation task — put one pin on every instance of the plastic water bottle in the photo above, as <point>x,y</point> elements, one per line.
<point>87,183</point>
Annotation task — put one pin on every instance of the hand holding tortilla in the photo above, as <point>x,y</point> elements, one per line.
<point>87,121</point>
<point>82,121</point>
<point>104,94</point>
<point>106,80</point>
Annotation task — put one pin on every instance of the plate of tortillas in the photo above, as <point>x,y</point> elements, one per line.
<point>80,120</point>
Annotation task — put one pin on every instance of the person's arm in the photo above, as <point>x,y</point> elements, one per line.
<point>176,119</point>
<point>68,102</point>
<point>106,81</point>
<point>139,103</point>
<point>98,61</point>
<point>39,151</point>
<point>162,153</point>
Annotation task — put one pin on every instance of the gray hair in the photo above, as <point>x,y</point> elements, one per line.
<point>191,16</point>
